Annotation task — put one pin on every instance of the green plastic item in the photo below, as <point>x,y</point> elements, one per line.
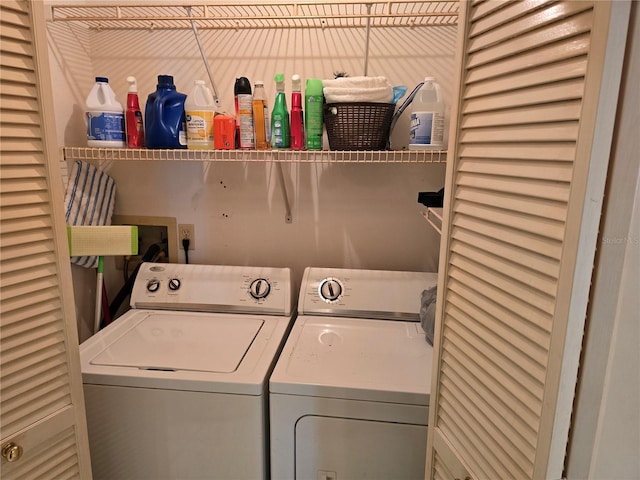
<point>313,106</point>
<point>280,134</point>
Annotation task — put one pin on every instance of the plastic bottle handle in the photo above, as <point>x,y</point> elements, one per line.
<point>102,98</point>
<point>160,110</point>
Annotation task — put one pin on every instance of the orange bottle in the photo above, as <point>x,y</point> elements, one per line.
<point>261,123</point>
<point>224,132</point>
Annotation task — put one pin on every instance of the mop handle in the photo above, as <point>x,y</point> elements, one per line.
<point>96,322</point>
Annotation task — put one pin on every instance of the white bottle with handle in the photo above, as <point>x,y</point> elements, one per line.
<point>199,110</point>
<point>426,131</point>
<point>104,116</point>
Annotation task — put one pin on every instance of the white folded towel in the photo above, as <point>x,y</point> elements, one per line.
<point>350,95</point>
<point>358,89</point>
<point>357,82</point>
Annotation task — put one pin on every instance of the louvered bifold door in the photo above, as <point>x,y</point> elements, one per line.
<point>523,196</point>
<point>41,407</point>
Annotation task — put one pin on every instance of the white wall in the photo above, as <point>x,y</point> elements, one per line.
<point>605,436</point>
<point>344,215</point>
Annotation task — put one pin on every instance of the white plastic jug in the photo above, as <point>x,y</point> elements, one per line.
<point>426,130</point>
<point>200,110</point>
<point>104,116</point>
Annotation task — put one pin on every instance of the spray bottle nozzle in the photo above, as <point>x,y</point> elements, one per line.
<point>279,79</point>
<point>133,86</point>
<point>295,83</point>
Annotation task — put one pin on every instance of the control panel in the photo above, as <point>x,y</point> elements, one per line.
<point>363,293</point>
<point>213,288</point>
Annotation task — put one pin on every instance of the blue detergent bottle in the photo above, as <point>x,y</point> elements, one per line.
<point>164,117</point>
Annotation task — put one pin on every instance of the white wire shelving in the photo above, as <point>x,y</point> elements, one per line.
<point>145,15</point>
<point>283,156</point>
<point>434,217</point>
<point>255,14</point>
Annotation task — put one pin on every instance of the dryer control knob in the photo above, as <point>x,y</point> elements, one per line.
<point>174,284</point>
<point>260,288</point>
<point>330,290</point>
<point>153,285</point>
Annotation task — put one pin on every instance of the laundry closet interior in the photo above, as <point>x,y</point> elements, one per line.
<point>352,210</point>
<point>517,268</point>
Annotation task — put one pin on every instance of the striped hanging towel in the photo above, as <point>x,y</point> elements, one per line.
<point>89,200</point>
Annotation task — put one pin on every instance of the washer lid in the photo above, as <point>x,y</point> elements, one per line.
<point>182,341</point>
<point>376,360</point>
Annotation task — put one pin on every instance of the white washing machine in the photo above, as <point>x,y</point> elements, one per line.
<point>176,388</point>
<point>349,396</point>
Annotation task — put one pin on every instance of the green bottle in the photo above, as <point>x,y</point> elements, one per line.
<point>280,137</point>
<point>313,105</point>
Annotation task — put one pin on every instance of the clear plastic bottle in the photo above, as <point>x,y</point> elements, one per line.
<point>105,117</point>
<point>297,120</point>
<point>280,137</point>
<point>426,131</point>
<point>261,117</point>
<point>199,109</point>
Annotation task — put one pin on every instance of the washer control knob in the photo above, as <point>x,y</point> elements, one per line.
<point>174,284</point>
<point>330,290</point>
<point>260,288</point>
<point>153,285</point>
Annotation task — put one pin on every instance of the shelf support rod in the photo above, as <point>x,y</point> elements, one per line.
<point>366,41</point>
<point>216,98</point>
<point>285,197</point>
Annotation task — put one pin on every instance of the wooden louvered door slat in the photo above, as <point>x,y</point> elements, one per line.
<point>41,403</point>
<point>519,233</point>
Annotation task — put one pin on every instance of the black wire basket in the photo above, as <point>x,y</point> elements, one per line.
<point>358,126</point>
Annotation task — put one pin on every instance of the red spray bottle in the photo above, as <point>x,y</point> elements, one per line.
<point>133,117</point>
<point>297,118</point>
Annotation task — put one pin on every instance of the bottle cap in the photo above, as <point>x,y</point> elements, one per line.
<point>199,82</point>
<point>102,79</point>
<point>429,79</point>
<point>242,86</point>
<point>165,80</point>
<point>313,87</point>
<point>295,83</point>
<point>279,79</point>
<point>133,87</point>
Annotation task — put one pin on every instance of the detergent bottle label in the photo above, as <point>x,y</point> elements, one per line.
<point>105,126</point>
<point>200,126</point>
<point>426,128</point>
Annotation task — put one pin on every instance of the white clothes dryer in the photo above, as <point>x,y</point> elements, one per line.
<point>349,396</point>
<point>176,388</point>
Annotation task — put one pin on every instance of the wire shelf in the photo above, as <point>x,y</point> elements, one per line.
<point>434,217</point>
<point>253,15</point>
<point>286,156</point>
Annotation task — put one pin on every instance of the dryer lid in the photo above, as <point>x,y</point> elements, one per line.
<point>376,360</point>
<point>179,341</point>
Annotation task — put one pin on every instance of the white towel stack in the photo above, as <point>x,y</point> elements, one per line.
<point>358,89</point>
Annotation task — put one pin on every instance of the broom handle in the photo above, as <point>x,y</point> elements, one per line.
<point>96,322</point>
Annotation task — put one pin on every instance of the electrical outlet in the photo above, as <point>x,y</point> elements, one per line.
<point>187,230</point>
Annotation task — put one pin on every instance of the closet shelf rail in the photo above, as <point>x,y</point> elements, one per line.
<point>283,156</point>
<point>252,15</point>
